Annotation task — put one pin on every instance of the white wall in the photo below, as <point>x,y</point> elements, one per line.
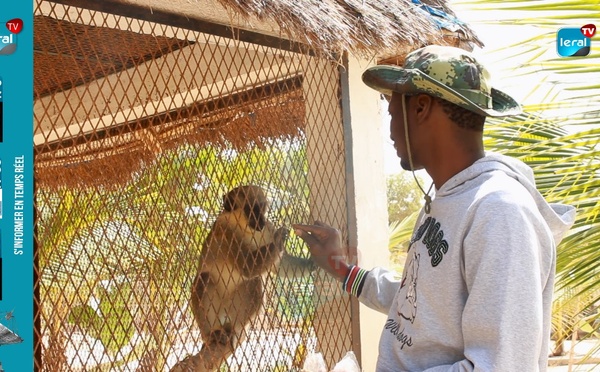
<point>368,219</point>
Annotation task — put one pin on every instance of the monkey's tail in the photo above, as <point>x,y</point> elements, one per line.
<point>208,359</point>
<point>191,363</point>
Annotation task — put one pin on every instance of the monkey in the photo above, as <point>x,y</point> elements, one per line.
<point>227,292</point>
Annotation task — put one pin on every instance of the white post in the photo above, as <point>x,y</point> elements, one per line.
<point>368,218</point>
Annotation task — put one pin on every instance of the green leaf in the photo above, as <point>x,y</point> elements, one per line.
<point>85,317</point>
<point>112,324</point>
<point>117,327</point>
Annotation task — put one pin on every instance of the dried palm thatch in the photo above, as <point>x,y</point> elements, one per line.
<point>115,159</point>
<point>371,28</point>
<point>380,29</point>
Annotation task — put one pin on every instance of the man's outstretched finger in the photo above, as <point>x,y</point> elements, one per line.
<point>312,231</point>
<point>308,238</point>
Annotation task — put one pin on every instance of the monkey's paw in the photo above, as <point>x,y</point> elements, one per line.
<point>281,236</point>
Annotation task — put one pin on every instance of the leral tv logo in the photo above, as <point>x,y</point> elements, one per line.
<point>8,37</point>
<point>575,42</point>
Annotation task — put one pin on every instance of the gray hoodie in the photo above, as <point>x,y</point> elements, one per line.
<point>477,287</point>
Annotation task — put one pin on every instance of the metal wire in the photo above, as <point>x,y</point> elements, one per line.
<point>140,129</point>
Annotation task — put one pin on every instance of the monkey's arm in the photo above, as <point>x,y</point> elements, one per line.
<point>292,266</point>
<point>231,240</point>
<point>255,261</point>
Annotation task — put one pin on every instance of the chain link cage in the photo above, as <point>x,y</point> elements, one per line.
<point>140,130</point>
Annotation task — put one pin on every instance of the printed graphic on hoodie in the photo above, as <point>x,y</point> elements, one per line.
<point>433,238</point>
<point>406,307</point>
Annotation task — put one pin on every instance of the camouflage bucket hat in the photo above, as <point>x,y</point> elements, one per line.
<point>446,72</point>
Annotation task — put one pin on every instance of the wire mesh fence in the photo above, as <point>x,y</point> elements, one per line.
<point>141,131</point>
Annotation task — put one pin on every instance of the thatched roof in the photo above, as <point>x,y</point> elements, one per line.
<point>89,53</point>
<point>112,156</point>
<point>374,28</point>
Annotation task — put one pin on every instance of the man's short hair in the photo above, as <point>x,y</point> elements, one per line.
<point>462,117</point>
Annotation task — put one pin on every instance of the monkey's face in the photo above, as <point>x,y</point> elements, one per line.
<point>250,199</point>
<point>256,214</point>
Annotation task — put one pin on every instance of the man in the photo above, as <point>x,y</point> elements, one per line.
<point>477,287</point>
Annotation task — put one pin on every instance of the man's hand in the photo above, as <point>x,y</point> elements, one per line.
<point>325,244</point>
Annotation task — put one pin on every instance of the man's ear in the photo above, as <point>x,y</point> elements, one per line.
<point>423,104</point>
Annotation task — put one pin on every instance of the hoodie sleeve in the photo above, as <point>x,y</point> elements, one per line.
<point>509,263</point>
<point>379,288</point>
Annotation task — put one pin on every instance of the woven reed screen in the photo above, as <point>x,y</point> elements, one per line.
<point>140,129</point>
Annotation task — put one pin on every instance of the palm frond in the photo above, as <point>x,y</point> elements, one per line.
<point>400,231</point>
<point>558,136</point>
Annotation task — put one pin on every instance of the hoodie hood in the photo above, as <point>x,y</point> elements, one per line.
<point>559,217</point>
